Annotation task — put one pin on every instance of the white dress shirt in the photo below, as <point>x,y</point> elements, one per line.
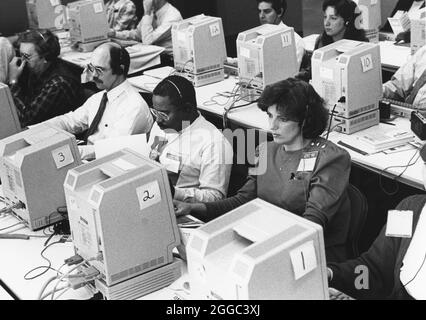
<point>126,113</point>
<point>155,29</point>
<point>201,156</point>
<point>300,46</point>
<point>401,83</point>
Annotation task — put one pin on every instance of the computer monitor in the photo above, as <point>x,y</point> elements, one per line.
<point>266,54</point>
<point>348,75</point>
<point>46,14</point>
<point>199,50</point>
<point>9,121</point>
<point>123,223</point>
<point>88,24</point>
<point>33,166</point>
<point>257,251</point>
<point>371,18</point>
<point>418,32</point>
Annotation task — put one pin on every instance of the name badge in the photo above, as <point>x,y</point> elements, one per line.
<point>399,224</point>
<point>308,161</point>
<point>171,162</point>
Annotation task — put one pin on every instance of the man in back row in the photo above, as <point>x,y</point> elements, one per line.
<point>272,12</point>
<point>118,110</point>
<point>155,26</point>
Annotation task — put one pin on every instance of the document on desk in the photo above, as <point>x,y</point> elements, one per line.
<point>136,142</point>
<point>144,83</point>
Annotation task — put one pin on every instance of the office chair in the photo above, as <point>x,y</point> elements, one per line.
<point>359,209</point>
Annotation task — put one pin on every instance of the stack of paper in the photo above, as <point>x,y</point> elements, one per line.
<point>382,137</point>
<point>400,22</point>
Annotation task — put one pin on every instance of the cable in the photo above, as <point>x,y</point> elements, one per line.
<point>44,296</point>
<point>13,225</point>
<point>420,268</point>
<point>47,268</point>
<point>390,193</point>
<point>331,120</point>
<point>45,286</point>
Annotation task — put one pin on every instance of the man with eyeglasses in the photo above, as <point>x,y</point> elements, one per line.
<point>196,154</point>
<point>41,84</point>
<point>117,110</point>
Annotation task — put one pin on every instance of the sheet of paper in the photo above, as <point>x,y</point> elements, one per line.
<point>136,142</point>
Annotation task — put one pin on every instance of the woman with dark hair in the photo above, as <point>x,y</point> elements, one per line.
<point>342,20</point>
<point>302,172</point>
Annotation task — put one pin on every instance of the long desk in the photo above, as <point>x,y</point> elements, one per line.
<point>252,117</point>
<point>392,56</point>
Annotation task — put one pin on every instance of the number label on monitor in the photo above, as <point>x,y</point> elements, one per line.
<point>303,259</point>
<point>148,195</point>
<point>214,29</point>
<point>98,7</point>
<point>286,39</point>
<point>367,63</point>
<point>373,2</point>
<point>62,156</point>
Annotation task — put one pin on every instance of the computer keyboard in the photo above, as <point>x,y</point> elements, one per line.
<point>335,294</point>
<point>398,103</point>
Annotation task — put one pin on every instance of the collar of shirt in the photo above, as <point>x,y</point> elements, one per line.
<point>413,270</point>
<point>117,91</point>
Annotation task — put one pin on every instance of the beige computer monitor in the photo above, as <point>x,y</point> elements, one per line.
<point>9,121</point>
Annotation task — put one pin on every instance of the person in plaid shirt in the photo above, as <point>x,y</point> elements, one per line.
<point>121,14</point>
<point>41,84</point>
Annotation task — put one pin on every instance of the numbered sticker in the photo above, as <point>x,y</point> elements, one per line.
<point>244,52</point>
<point>62,156</point>
<point>286,39</point>
<point>214,29</point>
<point>373,2</point>
<point>98,7</point>
<point>367,63</point>
<point>303,259</point>
<point>326,73</point>
<point>148,195</point>
<point>54,3</point>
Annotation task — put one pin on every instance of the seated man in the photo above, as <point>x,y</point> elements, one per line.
<point>115,111</point>
<point>197,156</point>
<point>121,14</point>
<point>393,267</point>
<point>155,26</point>
<point>272,12</point>
<point>42,85</point>
<point>408,84</point>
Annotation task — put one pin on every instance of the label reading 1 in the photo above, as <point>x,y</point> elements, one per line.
<point>303,259</point>
<point>62,156</point>
<point>148,195</point>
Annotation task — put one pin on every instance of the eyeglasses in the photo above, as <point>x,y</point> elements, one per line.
<point>98,70</point>
<point>26,56</point>
<point>159,114</point>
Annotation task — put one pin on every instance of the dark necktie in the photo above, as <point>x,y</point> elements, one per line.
<point>419,84</point>
<point>98,117</point>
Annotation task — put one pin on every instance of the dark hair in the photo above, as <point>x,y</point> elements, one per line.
<point>46,43</point>
<point>119,59</point>
<point>179,90</point>
<point>277,5</point>
<point>347,10</point>
<point>298,101</point>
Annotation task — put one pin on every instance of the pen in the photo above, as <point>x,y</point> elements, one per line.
<point>352,148</point>
<point>14,236</point>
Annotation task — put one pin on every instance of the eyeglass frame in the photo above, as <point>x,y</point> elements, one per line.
<point>92,69</point>
<point>159,114</point>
